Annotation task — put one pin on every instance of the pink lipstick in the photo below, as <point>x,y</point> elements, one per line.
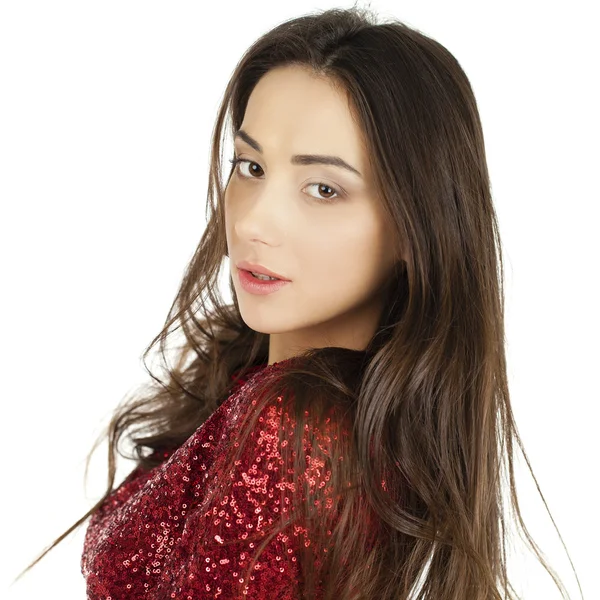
<point>253,285</point>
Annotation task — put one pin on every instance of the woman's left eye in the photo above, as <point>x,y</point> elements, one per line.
<point>338,194</point>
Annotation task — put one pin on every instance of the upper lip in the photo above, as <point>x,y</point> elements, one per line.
<point>248,266</point>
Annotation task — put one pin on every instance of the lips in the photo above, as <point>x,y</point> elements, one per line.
<point>256,268</point>
<point>259,287</point>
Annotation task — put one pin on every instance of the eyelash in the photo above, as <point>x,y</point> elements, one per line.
<point>339,193</point>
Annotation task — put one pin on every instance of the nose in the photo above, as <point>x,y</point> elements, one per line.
<point>265,205</point>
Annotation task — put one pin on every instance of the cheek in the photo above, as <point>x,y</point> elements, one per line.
<point>227,199</point>
<point>342,262</point>
<point>228,211</point>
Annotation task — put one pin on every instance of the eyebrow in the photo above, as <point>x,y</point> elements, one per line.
<point>301,159</point>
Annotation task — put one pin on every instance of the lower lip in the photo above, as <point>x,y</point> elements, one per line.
<point>259,286</point>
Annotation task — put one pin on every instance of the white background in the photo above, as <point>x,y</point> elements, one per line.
<point>106,112</point>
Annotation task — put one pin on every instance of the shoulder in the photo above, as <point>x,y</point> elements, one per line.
<point>252,533</point>
<point>286,463</point>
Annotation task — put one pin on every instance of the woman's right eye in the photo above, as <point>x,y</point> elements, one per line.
<point>235,161</point>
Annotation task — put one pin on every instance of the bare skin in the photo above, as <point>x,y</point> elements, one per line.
<point>337,254</point>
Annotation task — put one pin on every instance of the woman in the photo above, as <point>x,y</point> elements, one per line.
<point>340,430</point>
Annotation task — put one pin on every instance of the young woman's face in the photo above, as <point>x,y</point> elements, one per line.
<point>320,226</point>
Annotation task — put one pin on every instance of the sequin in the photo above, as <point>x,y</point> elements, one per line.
<point>162,534</point>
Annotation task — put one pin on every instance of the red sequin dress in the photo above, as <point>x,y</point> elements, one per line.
<point>144,541</point>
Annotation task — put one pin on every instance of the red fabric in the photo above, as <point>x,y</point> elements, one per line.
<point>160,534</point>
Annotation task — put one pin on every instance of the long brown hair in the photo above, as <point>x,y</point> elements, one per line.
<point>427,403</point>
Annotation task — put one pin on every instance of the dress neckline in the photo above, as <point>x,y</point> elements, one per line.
<point>264,368</point>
